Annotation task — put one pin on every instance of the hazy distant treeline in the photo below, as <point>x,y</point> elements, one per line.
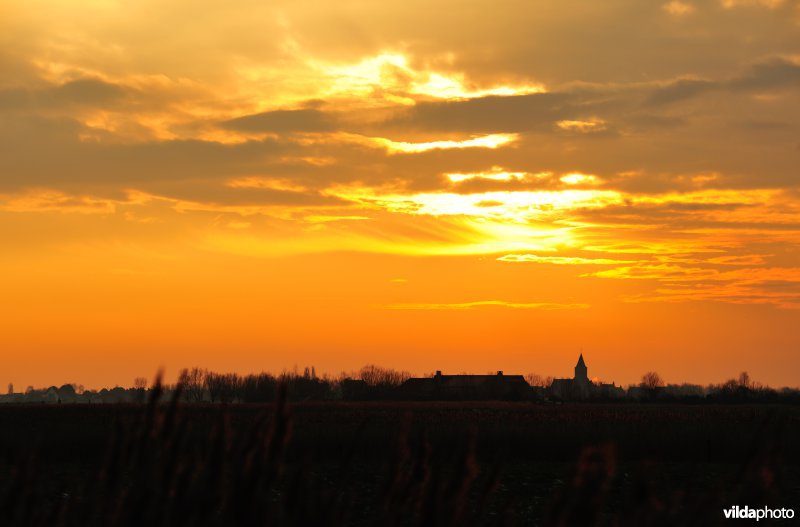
<point>196,385</point>
<point>201,385</point>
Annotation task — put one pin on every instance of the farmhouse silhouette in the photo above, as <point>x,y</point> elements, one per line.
<point>501,386</point>
<point>440,386</point>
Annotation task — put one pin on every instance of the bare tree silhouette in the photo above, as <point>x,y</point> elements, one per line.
<point>652,381</point>
<point>534,379</point>
<point>191,382</point>
<point>745,381</point>
<point>378,376</point>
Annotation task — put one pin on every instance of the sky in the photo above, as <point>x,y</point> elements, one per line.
<point>461,186</point>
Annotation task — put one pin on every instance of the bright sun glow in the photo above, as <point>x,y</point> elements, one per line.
<point>496,174</point>
<point>517,206</point>
<point>391,74</point>
<point>486,141</point>
<point>578,179</point>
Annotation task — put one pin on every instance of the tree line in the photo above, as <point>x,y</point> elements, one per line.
<point>370,382</point>
<point>373,382</point>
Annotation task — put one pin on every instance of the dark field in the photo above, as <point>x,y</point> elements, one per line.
<point>394,463</point>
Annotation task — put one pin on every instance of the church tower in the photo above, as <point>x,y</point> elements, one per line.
<point>581,371</point>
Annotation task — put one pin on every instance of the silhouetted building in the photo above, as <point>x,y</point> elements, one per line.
<point>465,387</point>
<point>580,387</point>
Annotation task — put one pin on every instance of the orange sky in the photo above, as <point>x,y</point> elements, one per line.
<point>251,186</point>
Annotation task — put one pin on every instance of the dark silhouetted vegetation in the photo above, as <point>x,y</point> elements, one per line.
<point>388,463</point>
<point>375,383</point>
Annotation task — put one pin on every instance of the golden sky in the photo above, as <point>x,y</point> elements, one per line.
<point>463,186</point>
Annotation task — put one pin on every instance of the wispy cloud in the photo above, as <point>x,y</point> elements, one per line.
<point>583,126</point>
<point>48,200</point>
<point>560,260</point>
<point>678,8</point>
<point>485,304</point>
<point>491,141</point>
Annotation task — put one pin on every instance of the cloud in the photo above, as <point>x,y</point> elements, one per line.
<point>583,126</point>
<point>778,286</point>
<point>46,200</point>
<point>486,141</point>
<point>787,296</point>
<point>778,72</point>
<point>84,92</point>
<point>678,8</point>
<point>72,161</point>
<point>679,90</point>
<point>683,144</point>
<point>88,92</point>
<point>560,260</point>
<point>282,121</point>
<point>487,114</point>
<point>485,304</point>
<point>770,4</point>
<point>200,197</point>
<point>772,74</point>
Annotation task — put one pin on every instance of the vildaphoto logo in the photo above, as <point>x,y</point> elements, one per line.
<point>763,513</point>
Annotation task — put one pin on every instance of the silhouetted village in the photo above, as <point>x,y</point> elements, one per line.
<point>376,383</point>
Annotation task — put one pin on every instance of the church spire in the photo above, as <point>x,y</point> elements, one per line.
<point>581,371</point>
<point>580,362</point>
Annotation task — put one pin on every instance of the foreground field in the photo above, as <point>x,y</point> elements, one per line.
<point>394,463</point>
